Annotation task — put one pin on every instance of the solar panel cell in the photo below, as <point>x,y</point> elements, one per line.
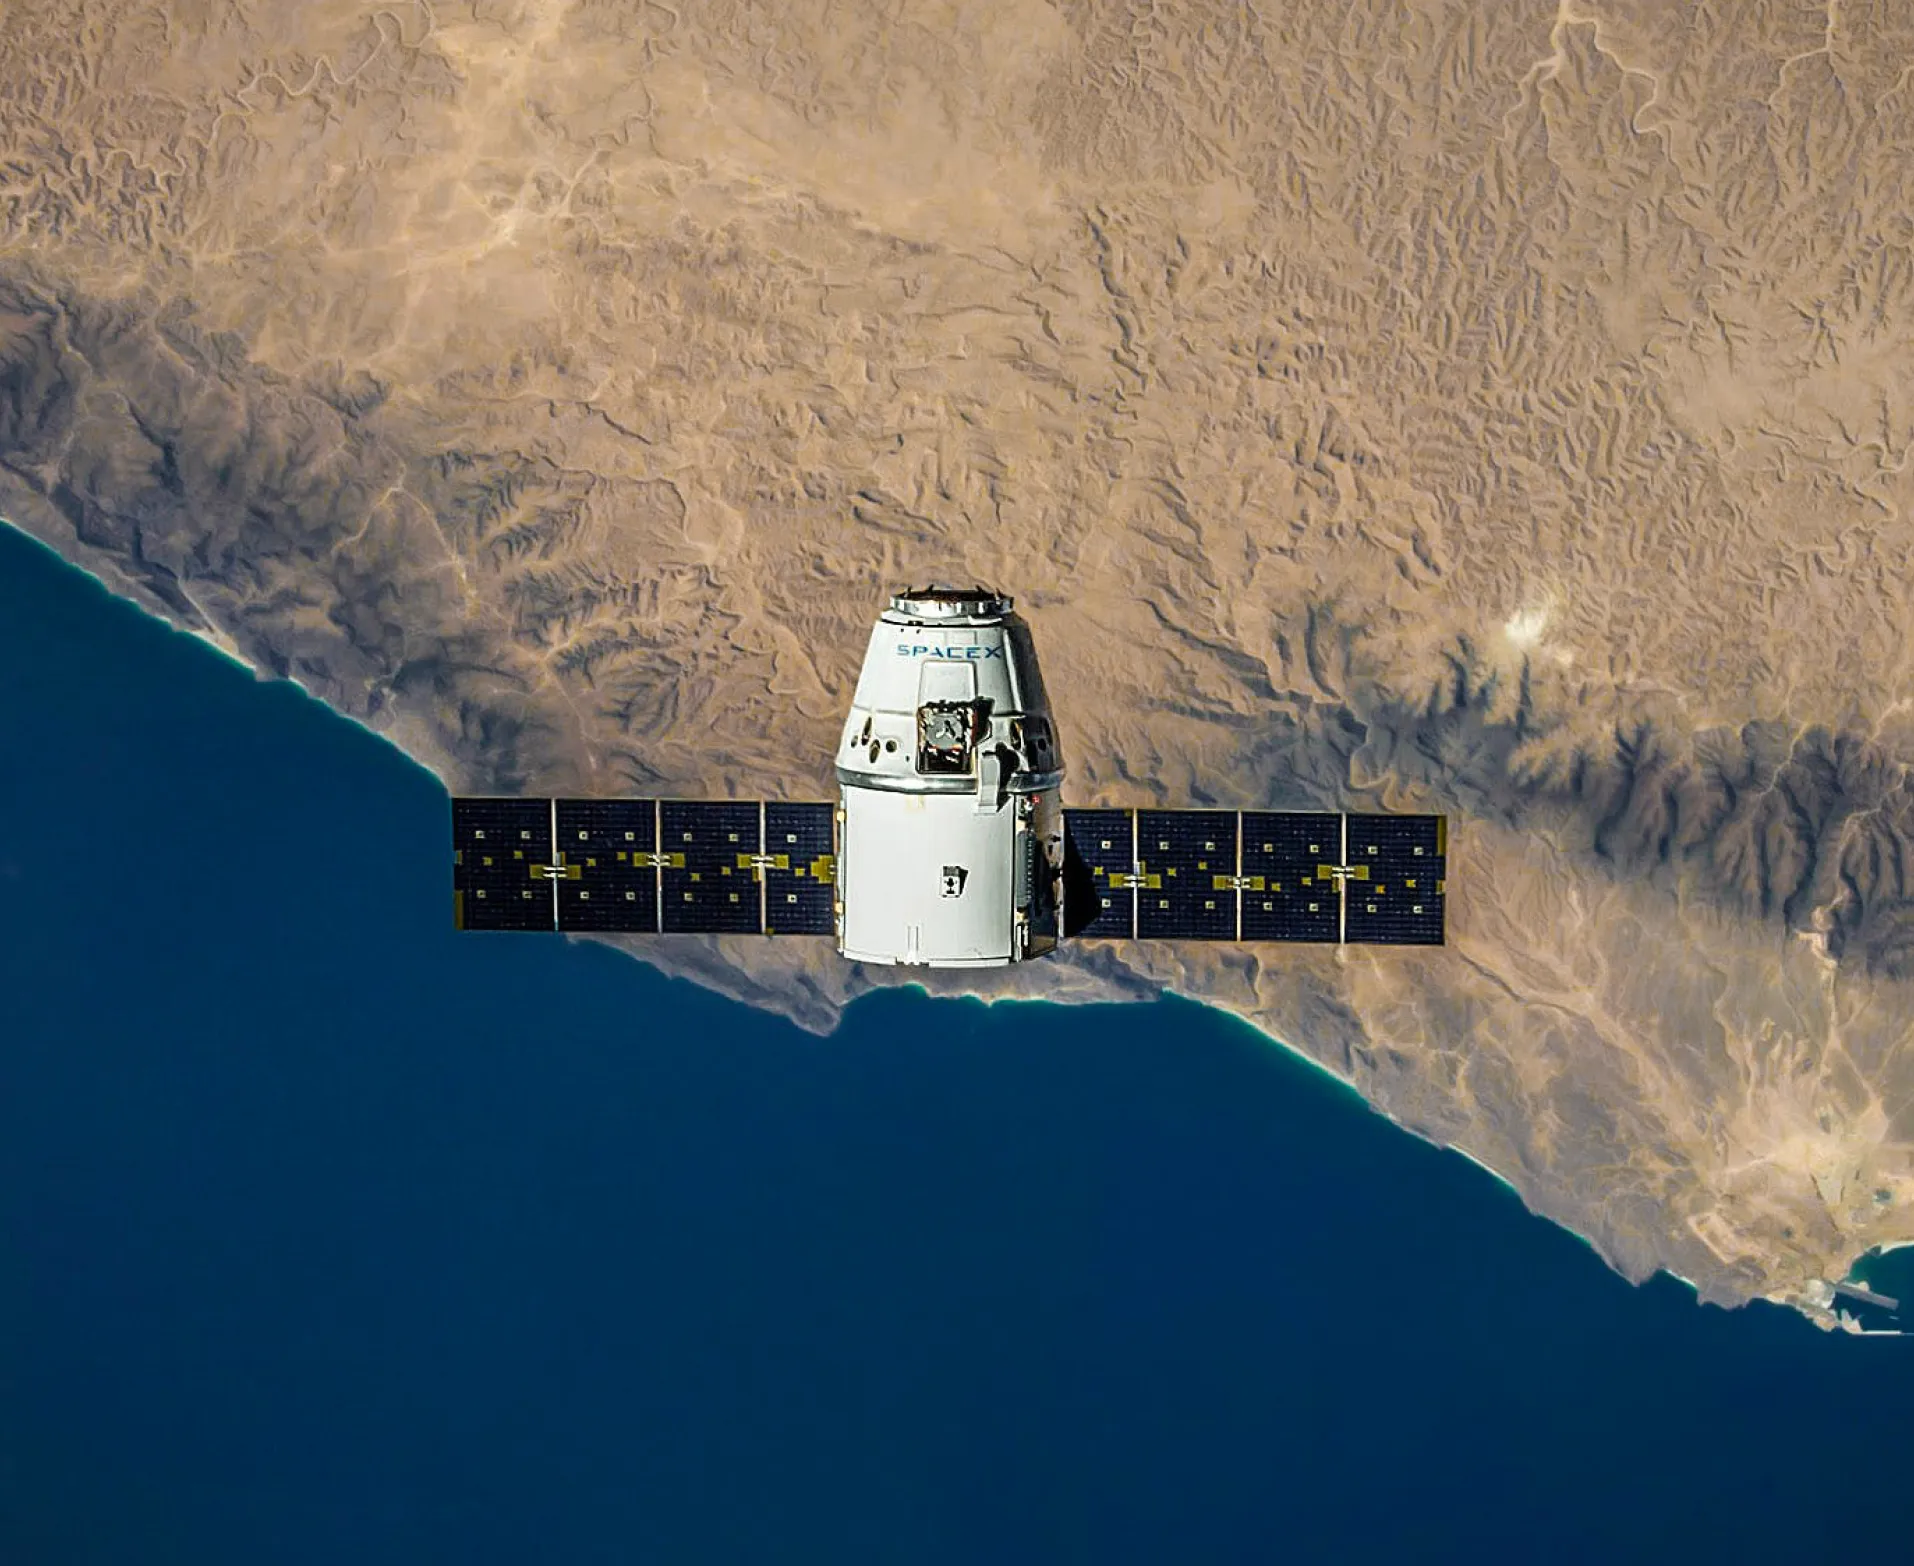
<point>710,882</point>
<point>800,879</point>
<point>1099,855</point>
<point>500,848</point>
<point>1395,887</point>
<point>605,851</point>
<point>1187,863</point>
<point>1284,896</point>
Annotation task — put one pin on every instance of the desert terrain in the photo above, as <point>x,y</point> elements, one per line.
<point>1501,409</point>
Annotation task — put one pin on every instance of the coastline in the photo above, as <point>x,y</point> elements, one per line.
<point>820,1009</point>
<point>212,637</point>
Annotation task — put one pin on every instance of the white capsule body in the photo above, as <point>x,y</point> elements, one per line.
<point>949,775</point>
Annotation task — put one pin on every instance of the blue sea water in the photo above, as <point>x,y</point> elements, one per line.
<point>328,1235</point>
<point>1890,1273</point>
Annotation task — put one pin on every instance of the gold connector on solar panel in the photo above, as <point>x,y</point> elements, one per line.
<point>1237,883</point>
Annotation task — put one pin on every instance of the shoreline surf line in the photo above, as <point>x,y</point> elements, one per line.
<point>402,722</point>
<point>222,644</point>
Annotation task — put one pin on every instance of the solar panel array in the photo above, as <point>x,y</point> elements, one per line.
<point>710,883</point>
<point>1186,865</point>
<point>609,847</point>
<point>1290,891</point>
<point>731,867</point>
<point>800,880</point>
<point>1105,843</point>
<point>1261,875</point>
<point>644,866</point>
<point>1394,890</point>
<point>499,850</point>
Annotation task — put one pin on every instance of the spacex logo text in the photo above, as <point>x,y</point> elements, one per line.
<point>970,654</point>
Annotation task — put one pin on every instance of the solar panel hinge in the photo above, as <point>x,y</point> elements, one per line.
<point>762,862</point>
<point>558,872</point>
<point>1149,882</point>
<point>1237,883</point>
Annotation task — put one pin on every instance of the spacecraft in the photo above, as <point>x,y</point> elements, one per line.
<point>948,845</point>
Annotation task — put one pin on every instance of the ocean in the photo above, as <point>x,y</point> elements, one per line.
<point>328,1234</point>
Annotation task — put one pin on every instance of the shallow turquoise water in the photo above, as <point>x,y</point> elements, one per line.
<point>327,1234</point>
<point>1890,1273</point>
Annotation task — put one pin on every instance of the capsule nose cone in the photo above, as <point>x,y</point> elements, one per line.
<point>939,600</point>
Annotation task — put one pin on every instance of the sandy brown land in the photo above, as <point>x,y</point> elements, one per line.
<point>1501,409</point>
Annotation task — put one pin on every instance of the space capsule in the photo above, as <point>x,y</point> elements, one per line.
<point>949,772</point>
